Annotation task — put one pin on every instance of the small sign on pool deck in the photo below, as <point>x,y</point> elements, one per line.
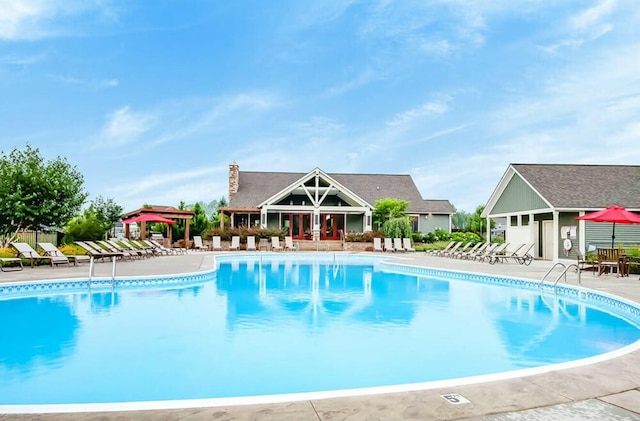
<point>455,398</point>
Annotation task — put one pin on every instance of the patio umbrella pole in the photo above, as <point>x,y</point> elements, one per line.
<point>613,235</point>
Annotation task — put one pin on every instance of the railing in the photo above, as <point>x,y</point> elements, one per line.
<point>92,269</point>
<point>563,274</point>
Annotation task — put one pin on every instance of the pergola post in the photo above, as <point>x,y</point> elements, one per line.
<point>186,232</point>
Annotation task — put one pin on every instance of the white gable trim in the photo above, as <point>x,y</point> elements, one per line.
<point>316,195</point>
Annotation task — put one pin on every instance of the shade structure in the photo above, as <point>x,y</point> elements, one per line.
<point>615,214</point>
<point>149,217</point>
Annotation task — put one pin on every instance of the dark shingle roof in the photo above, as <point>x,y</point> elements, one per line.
<point>584,186</point>
<point>256,187</point>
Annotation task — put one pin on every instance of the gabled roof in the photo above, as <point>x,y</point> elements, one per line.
<point>580,187</point>
<point>255,187</point>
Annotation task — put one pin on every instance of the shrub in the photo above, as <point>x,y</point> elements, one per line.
<point>72,250</point>
<point>442,235</point>
<point>397,227</point>
<point>363,237</point>
<point>8,252</point>
<point>417,237</point>
<point>466,237</point>
<point>226,234</point>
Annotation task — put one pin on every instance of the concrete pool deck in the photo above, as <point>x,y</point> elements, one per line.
<point>607,390</point>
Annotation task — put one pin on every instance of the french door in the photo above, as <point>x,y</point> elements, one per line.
<point>298,225</point>
<point>332,226</point>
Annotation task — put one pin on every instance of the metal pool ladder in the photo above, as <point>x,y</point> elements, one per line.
<point>563,274</point>
<point>92,270</point>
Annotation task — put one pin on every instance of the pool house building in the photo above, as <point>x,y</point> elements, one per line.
<point>325,206</point>
<point>541,202</point>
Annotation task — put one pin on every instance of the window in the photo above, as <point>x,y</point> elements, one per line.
<point>525,220</point>
<point>514,221</point>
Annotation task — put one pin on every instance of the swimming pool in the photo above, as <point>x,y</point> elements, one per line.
<point>287,325</point>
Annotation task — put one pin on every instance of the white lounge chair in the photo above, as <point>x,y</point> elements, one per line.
<point>388,244</point>
<point>251,243</point>
<point>377,244</point>
<point>215,243</point>
<point>406,243</point>
<point>235,243</point>
<point>397,244</point>
<point>275,244</point>
<point>288,244</point>
<point>199,245</point>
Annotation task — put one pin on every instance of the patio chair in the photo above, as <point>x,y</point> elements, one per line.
<point>198,245</point>
<point>108,245</point>
<point>216,243</point>
<point>52,250</point>
<point>251,243</point>
<point>288,244</point>
<point>406,243</point>
<point>473,254</point>
<point>26,251</point>
<point>275,244</point>
<point>377,244</point>
<point>584,264</point>
<point>170,250</point>
<point>397,244</point>
<point>388,244</point>
<point>235,243</point>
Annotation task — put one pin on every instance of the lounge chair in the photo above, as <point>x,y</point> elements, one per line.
<point>26,251</point>
<point>288,244</point>
<point>123,256</point>
<point>406,243</point>
<point>215,243</point>
<point>235,243</point>
<point>493,253</point>
<point>461,250</point>
<point>377,244</point>
<point>198,244</point>
<point>107,245</point>
<point>170,250</point>
<point>437,252</point>
<point>52,250</point>
<point>275,244</point>
<point>251,243</point>
<point>520,255</point>
<point>446,253</point>
<point>474,249</point>
<point>140,249</point>
<point>397,244</point>
<point>155,247</point>
<point>99,253</point>
<point>388,244</point>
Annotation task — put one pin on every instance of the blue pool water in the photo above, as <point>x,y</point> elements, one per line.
<point>286,327</point>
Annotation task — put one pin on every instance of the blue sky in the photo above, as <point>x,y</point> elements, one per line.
<point>153,100</point>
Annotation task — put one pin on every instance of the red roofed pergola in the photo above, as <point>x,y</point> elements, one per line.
<point>164,211</point>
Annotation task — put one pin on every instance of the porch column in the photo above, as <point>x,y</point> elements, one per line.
<point>232,221</point>
<point>316,224</point>
<point>488,222</point>
<point>556,235</point>
<point>582,234</point>
<point>263,218</point>
<point>367,220</point>
<point>532,234</point>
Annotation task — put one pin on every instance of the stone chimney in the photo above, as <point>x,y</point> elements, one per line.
<point>234,179</point>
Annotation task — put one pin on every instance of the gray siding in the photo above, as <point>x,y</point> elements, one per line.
<point>518,197</point>
<point>564,220</point>
<point>433,222</point>
<point>599,234</point>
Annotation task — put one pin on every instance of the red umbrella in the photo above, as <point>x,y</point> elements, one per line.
<point>149,217</point>
<point>615,214</point>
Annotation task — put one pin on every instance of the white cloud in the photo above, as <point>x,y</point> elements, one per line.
<point>124,127</point>
<point>22,60</point>
<point>364,78</point>
<point>36,19</point>
<point>425,110</point>
<point>593,16</point>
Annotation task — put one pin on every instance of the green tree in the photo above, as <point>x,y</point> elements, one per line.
<point>388,208</point>
<point>460,219</point>
<point>397,227</point>
<point>478,224</point>
<point>84,227</point>
<point>200,222</point>
<point>215,218</point>
<point>36,192</point>
<point>106,211</point>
